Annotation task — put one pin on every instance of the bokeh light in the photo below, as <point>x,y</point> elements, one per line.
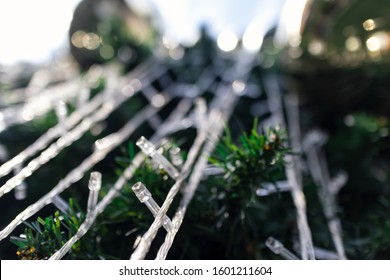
<point>227,41</point>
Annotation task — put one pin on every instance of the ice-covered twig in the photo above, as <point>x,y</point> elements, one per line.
<point>278,248</point>
<point>94,186</point>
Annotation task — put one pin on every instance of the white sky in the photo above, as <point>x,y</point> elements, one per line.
<point>32,30</point>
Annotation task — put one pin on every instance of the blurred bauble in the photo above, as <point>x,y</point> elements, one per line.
<point>103,30</point>
<point>336,54</point>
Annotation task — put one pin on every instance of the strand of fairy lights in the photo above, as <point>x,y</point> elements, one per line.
<point>294,176</point>
<point>174,117</point>
<point>221,112</point>
<point>103,147</point>
<point>222,106</point>
<point>109,105</point>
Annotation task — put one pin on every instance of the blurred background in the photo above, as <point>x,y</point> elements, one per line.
<point>29,38</point>
<point>318,68</point>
